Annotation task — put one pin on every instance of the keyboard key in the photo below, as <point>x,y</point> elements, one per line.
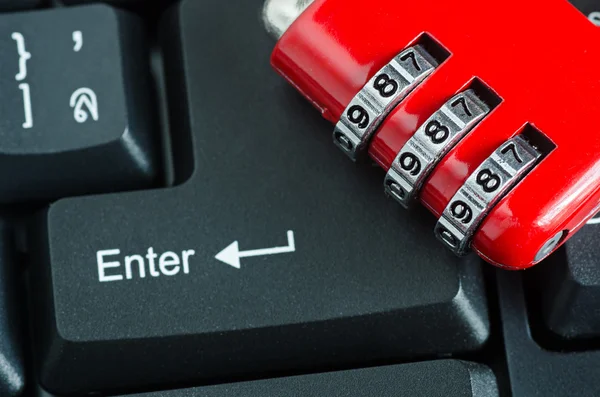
<point>75,110</point>
<point>444,378</point>
<point>12,367</point>
<point>568,287</point>
<point>537,370</point>
<point>271,255</point>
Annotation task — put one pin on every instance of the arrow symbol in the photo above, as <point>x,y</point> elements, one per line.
<point>231,254</point>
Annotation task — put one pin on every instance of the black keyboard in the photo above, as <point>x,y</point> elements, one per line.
<point>174,222</point>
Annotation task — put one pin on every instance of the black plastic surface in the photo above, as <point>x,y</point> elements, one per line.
<point>362,285</point>
<point>14,5</point>
<point>535,371</point>
<point>76,111</point>
<point>445,378</point>
<point>12,361</point>
<point>253,160</point>
<point>567,288</point>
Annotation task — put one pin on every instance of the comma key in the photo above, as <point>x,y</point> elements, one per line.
<point>75,108</point>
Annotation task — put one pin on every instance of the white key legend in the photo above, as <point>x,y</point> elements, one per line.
<point>85,104</point>
<point>28,123</point>
<point>77,40</point>
<point>24,56</point>
<point>231,254</point>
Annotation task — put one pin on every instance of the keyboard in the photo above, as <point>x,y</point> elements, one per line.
<point>175,222</point>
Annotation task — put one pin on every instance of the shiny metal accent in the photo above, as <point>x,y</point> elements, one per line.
<point>379,96</point>
<point>278,15</point>
<point>431,142</point>
<point>481,192</point>
<point>550,245</point>
<point>343,142</point>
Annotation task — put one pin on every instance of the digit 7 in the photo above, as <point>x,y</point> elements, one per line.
<point>511,148</point>
<point>412,56</point>
<point>463,102</point>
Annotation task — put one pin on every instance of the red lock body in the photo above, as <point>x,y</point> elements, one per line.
<point>546,74</point>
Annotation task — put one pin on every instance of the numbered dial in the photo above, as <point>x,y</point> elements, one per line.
<point>430,143</point>
<point>381,93</point>
<point>482,190</point>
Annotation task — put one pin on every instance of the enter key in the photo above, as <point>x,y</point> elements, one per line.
<point>274,255</point>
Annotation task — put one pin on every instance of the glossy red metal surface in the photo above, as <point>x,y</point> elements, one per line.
<point>547,74</point>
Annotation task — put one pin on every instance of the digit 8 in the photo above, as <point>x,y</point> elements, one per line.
<point>488,180</point>
<point>385,86</point>
<point>436,131</point>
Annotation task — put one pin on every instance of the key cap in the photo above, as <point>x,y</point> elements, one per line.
<point>76,112</point>
<point>537,369</point>
<point>264,250</point>
<point>571,294</point>
<point>12,366</point>
<point>444,378</point>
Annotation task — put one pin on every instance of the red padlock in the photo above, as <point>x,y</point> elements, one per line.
<point>483,111</point>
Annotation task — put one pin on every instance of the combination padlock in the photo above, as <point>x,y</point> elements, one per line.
<point>482,111</point>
